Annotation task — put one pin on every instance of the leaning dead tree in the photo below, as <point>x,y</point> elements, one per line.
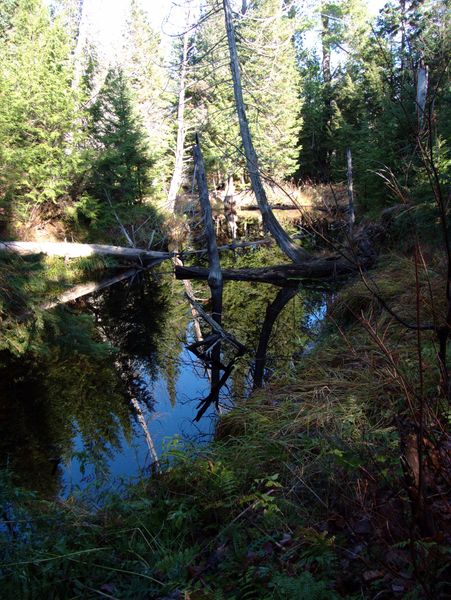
<point>270,222</point>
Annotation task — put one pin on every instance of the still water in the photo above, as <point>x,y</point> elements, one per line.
<point>68,422</point>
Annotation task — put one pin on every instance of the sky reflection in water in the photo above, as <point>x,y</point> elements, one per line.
<point>165,423</point>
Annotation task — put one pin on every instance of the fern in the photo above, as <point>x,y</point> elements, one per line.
<point>303,587</point>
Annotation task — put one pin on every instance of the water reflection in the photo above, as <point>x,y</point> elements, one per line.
<point>66,418</point>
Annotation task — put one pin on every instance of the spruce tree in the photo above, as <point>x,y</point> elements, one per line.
<point>270,86</point>
<point>37,110</point>
<point>121,166</point>
<point>142,63</point>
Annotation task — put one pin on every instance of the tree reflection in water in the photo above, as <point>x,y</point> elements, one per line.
<point>127,342</point>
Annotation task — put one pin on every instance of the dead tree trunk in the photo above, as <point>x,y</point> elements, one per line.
<point>285,275</point>
<point>422,91</point>
<point>214,273</point>
<point>68,250</point>
<point>269,220</point>
<point>80,42</point>
<point>272,312</point>
<point>230,207</point>
<point>177,175</point>
<point>327,89</point>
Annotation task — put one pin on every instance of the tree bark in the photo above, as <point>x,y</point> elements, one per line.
<point>422,91</point>
<point>327,89</point>
<point>214,275</point>
<point>269,220</point>
<point>177,175</point>
<point>318,269</point>
<point>230,207</point>
<point>81,37</point>
<point>72,250</point>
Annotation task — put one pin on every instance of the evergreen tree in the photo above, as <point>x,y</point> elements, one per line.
<point>142,64</point>
<point>271,89</point>
<point>37,110</point>
<point>7,8</point>
<point>370,92</point>
<point>120,172</point>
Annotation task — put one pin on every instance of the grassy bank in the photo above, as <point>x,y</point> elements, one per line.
<point>308,491</point>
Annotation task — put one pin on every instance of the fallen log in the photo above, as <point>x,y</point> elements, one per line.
<point>329,268</point>
<point>73,250</point>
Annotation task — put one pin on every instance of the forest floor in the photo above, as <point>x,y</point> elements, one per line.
<point>302,493</point>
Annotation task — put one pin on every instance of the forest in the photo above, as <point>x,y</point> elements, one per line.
<point>225,299</point>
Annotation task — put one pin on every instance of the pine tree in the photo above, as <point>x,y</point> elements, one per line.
<point>142,63</point>
<point>7,8</point>
<point>121,167</point>
<point>37,110</point>
<point>271,90</point>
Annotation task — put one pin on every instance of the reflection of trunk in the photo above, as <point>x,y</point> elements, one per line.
<point>149,440</point>
<point>84,289</point>
<point>269,220</point>
<point>272,312</point>
<point>177,175</point>
<point>214,274</point>
<point>190,293</point>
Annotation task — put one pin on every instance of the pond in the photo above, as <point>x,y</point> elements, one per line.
<point>92,413</point>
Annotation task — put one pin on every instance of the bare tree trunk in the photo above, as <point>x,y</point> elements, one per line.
<point>230,207</point>
<point>422,90</point>
<point>177,175</point>
<point>351,213</point>
<point>269,220</point>
<point>285,275</point>
<point>81,36</point>
<point>327,92</point>
<point>214,274</point>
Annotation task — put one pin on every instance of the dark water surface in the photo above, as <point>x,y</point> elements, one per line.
<point>68,420</point>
